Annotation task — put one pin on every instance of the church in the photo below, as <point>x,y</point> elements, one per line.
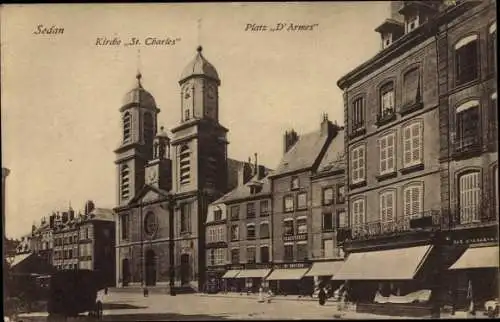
<point>165,183</point>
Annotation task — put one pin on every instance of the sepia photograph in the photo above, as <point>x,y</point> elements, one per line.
<point>250,161</point>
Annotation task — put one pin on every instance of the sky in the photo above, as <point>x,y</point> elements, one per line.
<point>61,93</point>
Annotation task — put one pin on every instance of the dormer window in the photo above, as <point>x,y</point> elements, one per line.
<point>295,183</point>
<point>412,22</point>
<point>386,40</point>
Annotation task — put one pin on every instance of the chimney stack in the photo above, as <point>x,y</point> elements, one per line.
<point>290,139</point>
<point>244,172</point>
<point>89,206</point>
<point>65,217</point>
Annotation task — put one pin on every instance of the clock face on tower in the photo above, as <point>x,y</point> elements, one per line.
<point>187,102</point>
<point>152,175</point>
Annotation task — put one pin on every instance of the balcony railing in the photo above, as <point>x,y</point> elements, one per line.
<point>474,215</point>
<point>334,254</point>
<point>466,145</point>
<point>297,237</point>
<point>385,116</point>
<point>432,220</point>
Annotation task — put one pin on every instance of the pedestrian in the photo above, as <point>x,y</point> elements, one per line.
<point>322,296</point>
<point>261,295</point>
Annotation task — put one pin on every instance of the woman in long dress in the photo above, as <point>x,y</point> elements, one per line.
<point>322,296</point>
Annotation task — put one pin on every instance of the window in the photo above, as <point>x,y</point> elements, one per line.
<point>386,149</point>
<point>358,113</point>
<point>412,144</point>
<point>217,215</point>
<point>211,257</point>
<point>264,254</point>
<point>358,214</point>
<point>250,210</point>
<point>127,125</point>
<point>386,40</point>
<point>250,231</point>
<point>411,23</point>
<point>264,230</point>
<point>302,225</point>
<point>411,87</point>
<point>302,251</point>
<point>288,253</point>
<point>466,60</point>
<point>295,183</point>
<point>235,232</point>
<point>413,199</point>
<point>492,47</point>
<point>340,194</point>
<point>387,99</point>
<point>124,176</point>
<point>124,226</point>
<point>288,203</point>
<point>288,227</point>
<point>302,200</point>
<point>235,212</point>
<point>186,115</point>
<point>184,161</point>
<point>264,208</point>
<point>235,256</point>
<point>358,164</point>
<point>327,196</point>
<point>185,217</point>
<point>341,218</point>
<point>468,124</point>
<point>327,248</point>
<point>387,201</point>
<point>493,115</point>
<point>251,256</point>
<point>469,197</point>
<point>327,221</point>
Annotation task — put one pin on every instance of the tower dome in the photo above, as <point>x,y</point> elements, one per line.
<point>138,95</point>
<point>199,66</point>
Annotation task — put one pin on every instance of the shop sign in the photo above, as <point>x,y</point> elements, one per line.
<point>235,267</point>
<point>291,265</point>
<point>474,240</point>
<point>257,266</point>
<point>295,238</point>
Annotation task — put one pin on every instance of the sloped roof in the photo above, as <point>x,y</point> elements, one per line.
<point>334,157</point>
<point>199,66</point>
<point>103,214</point>
<point>303,154</point>
<point>243,191</point>
<point>232,172</point>
<point>17,259</point>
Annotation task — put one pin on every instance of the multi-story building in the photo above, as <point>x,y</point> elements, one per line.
<point>157,192</point>
<point>467,86</point>
<point>85,241</point>
<point>405,136</point>
<point>292,223</point>
<point>42,241</point>
<point>25,244</point>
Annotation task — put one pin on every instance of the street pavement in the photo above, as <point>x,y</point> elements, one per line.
<point>122,306</point>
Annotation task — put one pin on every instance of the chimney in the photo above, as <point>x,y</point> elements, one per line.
<point>65,216</point>
<point>244,173</point>
<point>328,128</point>
<point>262,172</point>
<point>51,220</point>
<point>89,206</point>
<point>290,139</point>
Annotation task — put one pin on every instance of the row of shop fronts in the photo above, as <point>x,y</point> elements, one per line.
<point>429,270</point>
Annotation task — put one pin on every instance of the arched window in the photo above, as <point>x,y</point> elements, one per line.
<point>411,87</point>
<point>149,132</point>
<point>467,125</point>
<point>127,125</point>
<point>413,198</point>
<point>125,182</point>
<point>466,59</point>
<point>492,47</point>
<point>251,231</point>
<point>264,230</point>
<point>469,194</point>
<point>185,164</point>
<point>358,216</point>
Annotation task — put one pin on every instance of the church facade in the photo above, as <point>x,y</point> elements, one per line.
<point>165,183</point>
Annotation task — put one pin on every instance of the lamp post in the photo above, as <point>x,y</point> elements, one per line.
<point>171,243</point>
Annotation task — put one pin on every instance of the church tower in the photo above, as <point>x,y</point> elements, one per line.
<point>139,121</point>
<point>199,141</point>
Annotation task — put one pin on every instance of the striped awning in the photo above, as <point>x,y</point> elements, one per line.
<point>249,273</point>
<point>287,274</point>
<point>478,257</point>
<point>231,273</point>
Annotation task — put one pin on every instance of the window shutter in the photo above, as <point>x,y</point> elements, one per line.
<point>361,163</point>
<point>417,143</point>
<point>361,211</point>
<point>383,154</point>
<point>415,200</point>
<point>383,205</point>
<point>407,146</point>
<point>389,207</point>
<point>407,202</point>
<point>355,165</point>
<point>390,152</point>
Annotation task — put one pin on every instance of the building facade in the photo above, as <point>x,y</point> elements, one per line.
<point>402,148</point>
<point>165,185</point>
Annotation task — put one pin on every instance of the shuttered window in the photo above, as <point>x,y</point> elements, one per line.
<point>412,144</point>
<point>358,164</point>
<point>387,149</point>
<point>469,197</point>
<point>387,203</point>
<point>413,199</point>
<point>358,214</point>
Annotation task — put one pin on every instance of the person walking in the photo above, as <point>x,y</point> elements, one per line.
<point>322,296</point>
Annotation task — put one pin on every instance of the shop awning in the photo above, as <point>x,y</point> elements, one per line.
<point>232,273</point>
<point>393,264</point>
<point>478,257</point>
<point>287,274</point>
<point>325,268</point>
<point>249,273</point>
